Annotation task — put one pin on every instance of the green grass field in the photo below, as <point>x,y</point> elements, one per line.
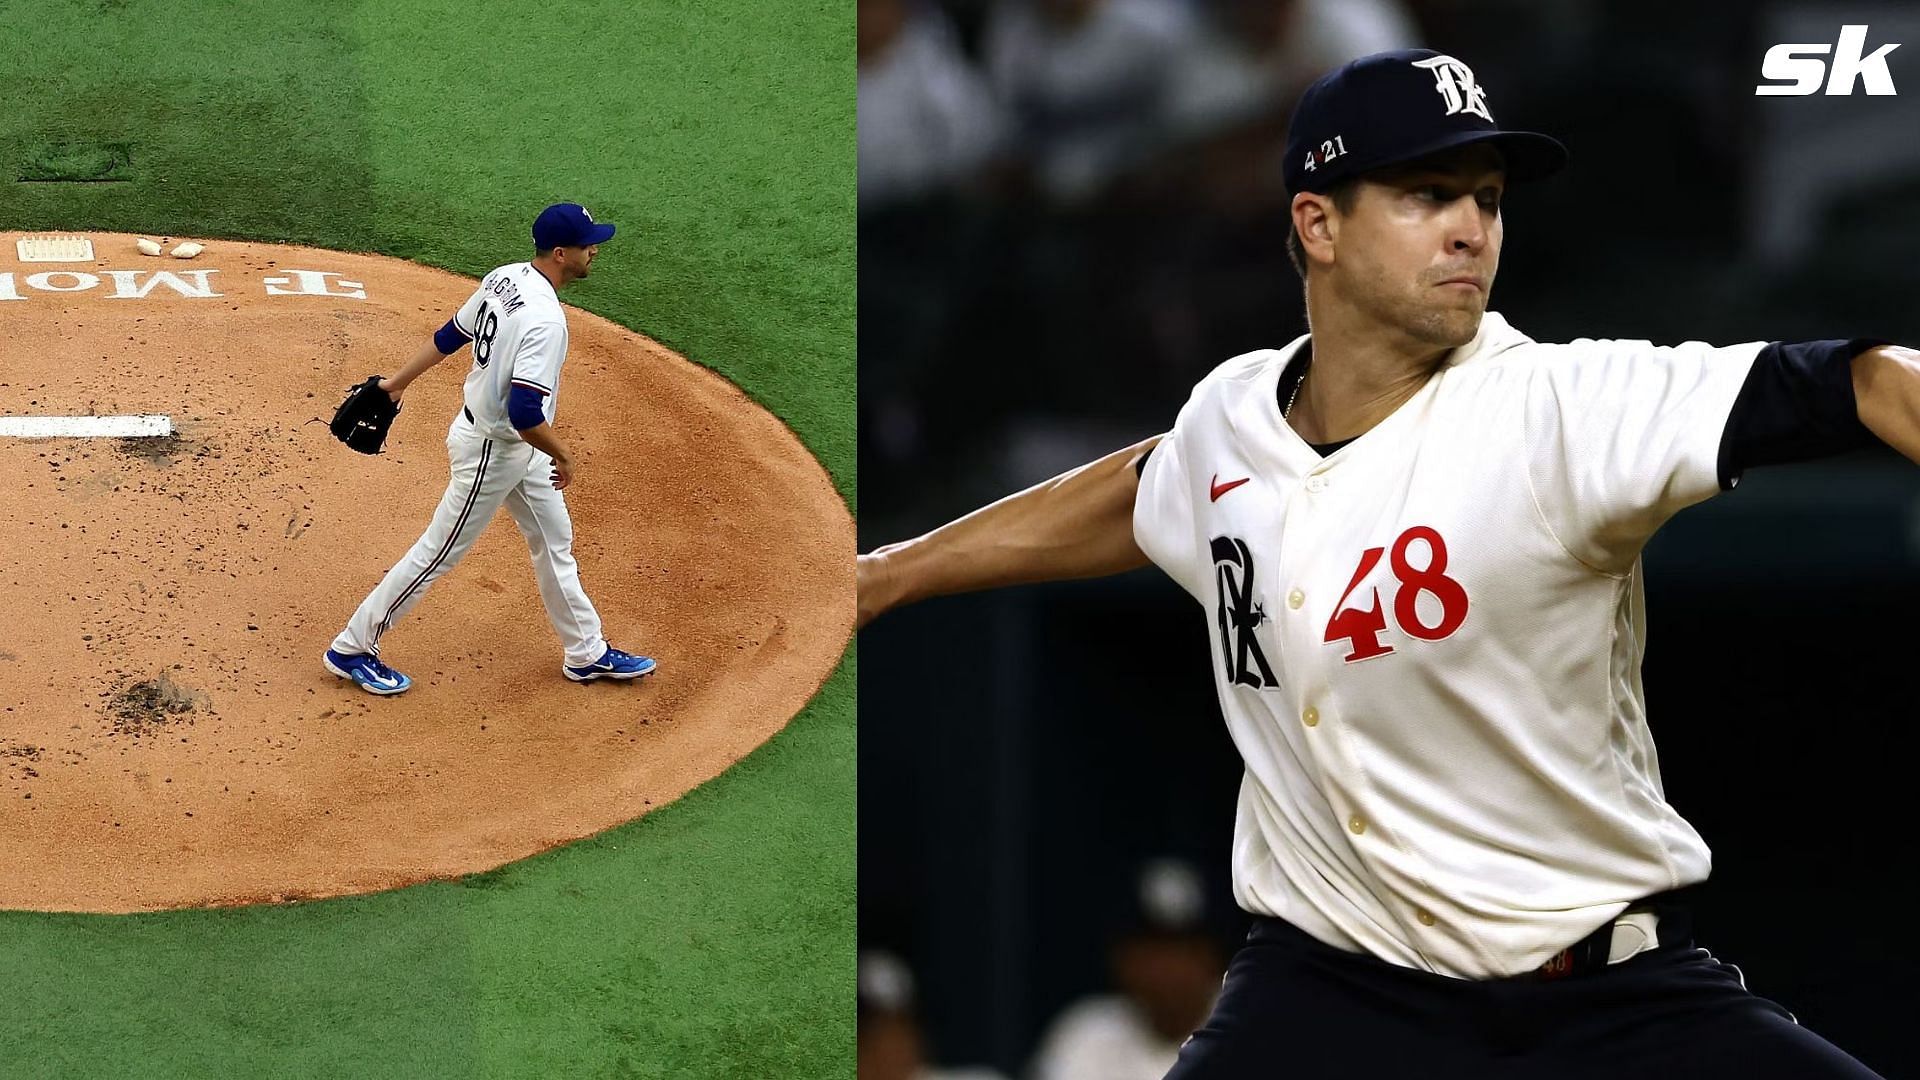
<point>714,938</point>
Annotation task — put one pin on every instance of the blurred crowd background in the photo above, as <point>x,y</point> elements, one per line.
<point>1071,210</point>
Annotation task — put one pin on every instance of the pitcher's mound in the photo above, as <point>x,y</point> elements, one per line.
<point>169,737</point>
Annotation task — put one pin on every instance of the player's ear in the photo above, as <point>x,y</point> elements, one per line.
<point>1313,220</point>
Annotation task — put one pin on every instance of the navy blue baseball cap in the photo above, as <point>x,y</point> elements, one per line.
<point>1393,107</point>
<point>568,225</point>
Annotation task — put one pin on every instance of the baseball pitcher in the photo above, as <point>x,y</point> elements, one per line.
<point>1416,532</point>
<point>503,451</point>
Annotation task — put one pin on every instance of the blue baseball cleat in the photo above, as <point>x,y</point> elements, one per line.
<point>367,672</point>
<point>614,665</point>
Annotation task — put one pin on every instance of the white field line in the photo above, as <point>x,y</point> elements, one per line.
<point>68,427</point>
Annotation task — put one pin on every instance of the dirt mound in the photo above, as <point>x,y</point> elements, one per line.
<point>163,709</point>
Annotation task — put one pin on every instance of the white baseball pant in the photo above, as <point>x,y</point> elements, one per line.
<point>487,473</point>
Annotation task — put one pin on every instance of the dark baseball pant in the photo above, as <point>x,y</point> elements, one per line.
<point>1294,1008</point>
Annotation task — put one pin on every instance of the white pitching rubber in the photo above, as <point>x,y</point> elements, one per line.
<point>69,427</point>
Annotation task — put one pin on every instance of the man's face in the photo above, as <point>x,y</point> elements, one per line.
<point>888,1048</point>
<point>880,23</point>
<point>1068,12</point>
<point>1170,978</point>
<point>1415,229</point>
<point>578,260</point>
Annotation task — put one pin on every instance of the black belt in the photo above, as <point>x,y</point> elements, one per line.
<point>469,413</point>
<point>1585,956</point>
<point>1590,953</point>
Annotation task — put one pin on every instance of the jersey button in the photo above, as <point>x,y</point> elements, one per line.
<point>1316,483</point>
<point>1311,717</point>
<point>1425,917</point>
<point>1357,825</point>
<point>1296,598</point>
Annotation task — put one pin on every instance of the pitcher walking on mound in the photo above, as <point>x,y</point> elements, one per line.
<point>503,451</point>
<point>1417,532</point>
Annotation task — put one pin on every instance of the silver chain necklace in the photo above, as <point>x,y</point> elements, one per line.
<point>1296,393</point>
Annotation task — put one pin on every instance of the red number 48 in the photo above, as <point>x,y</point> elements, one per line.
<point>1362,629</point>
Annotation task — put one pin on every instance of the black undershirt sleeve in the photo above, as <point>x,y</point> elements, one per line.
<point>1796,405</point>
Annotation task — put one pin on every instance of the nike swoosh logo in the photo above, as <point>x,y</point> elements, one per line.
<point>1217,489</point>
<point>382,680</point>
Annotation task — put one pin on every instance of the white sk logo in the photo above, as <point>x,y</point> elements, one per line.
<point>1796,64</point>
<point>1454,81</point>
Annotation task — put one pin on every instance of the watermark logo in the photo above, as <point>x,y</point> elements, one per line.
<point>1800,69</point>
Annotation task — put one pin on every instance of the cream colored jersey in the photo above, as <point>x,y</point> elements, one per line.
<point>1427,644</point>
<point>519,334</point>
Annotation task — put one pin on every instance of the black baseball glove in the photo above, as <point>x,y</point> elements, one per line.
<point>362,420</point>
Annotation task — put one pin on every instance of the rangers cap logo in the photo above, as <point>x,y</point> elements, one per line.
<point>1454,81</point>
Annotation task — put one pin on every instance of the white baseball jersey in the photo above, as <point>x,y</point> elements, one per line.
<point>519,336</point>
<point>1427,644</point>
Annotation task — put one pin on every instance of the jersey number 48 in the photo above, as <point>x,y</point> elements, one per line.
<point>485,326</point>
<point>1361,629</point>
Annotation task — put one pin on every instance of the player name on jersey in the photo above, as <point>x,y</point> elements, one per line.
<point>508,292</point>
<point>168,284</point>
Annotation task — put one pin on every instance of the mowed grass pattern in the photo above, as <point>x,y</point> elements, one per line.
<point>713,938</point>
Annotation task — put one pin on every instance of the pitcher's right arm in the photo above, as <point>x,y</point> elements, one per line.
<point>1077,525</point>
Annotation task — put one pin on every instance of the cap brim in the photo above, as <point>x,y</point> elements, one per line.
<point>599,234</point>
<point>1528,155</point>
